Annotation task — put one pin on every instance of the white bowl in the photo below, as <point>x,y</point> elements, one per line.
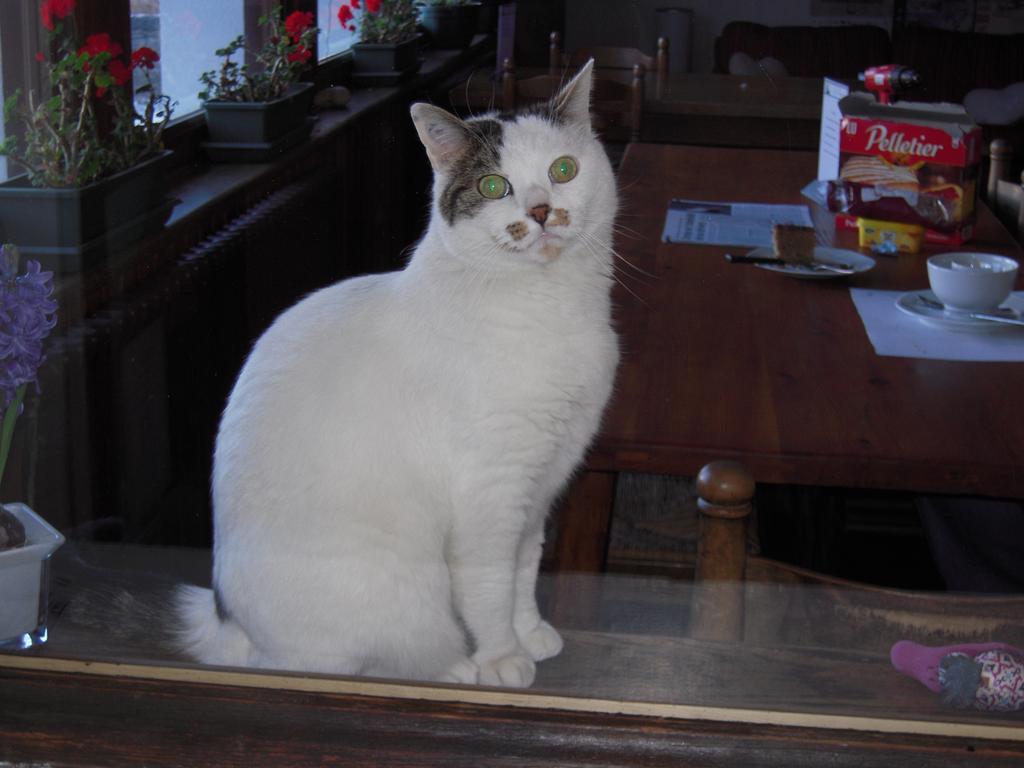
<point>971,282</point>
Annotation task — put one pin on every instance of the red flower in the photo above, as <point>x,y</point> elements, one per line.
<point>297,23</point>
<point>55,9</point>
<point>121,73</point>
<point>301,53</point>
<point>101,43</point>
<point>39,56</point>
<point>373,5</point>
<point>145,57</point>
<point>345,16</point>
<point>355,3</point>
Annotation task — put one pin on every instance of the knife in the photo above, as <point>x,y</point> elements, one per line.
<point>841,269</point>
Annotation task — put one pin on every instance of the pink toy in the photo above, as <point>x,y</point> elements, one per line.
<point>987,676</point>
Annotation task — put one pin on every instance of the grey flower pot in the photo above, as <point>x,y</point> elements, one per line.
<point>385,63</point>
<point>258,122</point>
<point>55,222</point>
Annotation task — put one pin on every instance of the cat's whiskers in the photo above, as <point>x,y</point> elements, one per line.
<point>469,80</point>
<point>613,274</point>
<point>640,272</point>
<point>619,256</point>
<point>625,231</point>
<point>620,276</point>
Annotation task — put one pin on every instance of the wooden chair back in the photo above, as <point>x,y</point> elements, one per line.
<point>617,107</point>
<point>1004,194</point>
<point>1000,163</point>
<point>1008,205</point>
<point>764,602</point>
<point>607,57</point>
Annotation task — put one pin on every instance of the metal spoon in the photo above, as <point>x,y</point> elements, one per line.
<point>990,316</point>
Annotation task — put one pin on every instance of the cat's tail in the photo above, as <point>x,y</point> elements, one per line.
<point>138,614</point>
<point>204,634</point>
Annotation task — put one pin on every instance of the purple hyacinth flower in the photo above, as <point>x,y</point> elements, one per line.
<point>27,315</point>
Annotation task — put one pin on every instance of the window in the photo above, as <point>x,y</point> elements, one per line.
<point>186,33</point>
<point>333,38</point>
<point>19,29</point>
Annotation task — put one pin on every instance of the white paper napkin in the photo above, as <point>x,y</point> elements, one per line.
<point>896,334</point>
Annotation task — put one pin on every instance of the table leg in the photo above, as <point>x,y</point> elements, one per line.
<point>583,526</point>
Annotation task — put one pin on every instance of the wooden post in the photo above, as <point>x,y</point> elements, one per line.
<point>725,491</point>
<point>555,54</point>
<point>636,106</point>
<point>661,63</point>
<point>1000,157</point>
<point>508,86</point>
<point>662,57</point>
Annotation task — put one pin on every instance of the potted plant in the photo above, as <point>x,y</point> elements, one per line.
<point>89,182</point>
<point>388,47</point>
<point>450,23</point>
<point>254,112</point>
<point>27,315</point>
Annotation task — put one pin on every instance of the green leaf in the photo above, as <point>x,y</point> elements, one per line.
<point>11,105</point>
<point>7,428</point>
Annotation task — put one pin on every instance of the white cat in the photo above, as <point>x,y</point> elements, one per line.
<point>394,442</point>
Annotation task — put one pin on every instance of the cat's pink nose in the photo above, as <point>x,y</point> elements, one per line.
<point>539,213</point>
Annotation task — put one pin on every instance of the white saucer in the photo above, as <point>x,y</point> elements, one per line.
<point>943,318</point>
<point>857,261</point>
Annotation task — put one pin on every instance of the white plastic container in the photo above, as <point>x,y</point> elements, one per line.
<point>25,581</point>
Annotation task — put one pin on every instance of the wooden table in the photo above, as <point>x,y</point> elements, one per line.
<point>708,109</point>
<point>725,361</point>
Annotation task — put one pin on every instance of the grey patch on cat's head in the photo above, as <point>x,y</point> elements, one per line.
<point>460,197</point>
<point>462,151</point>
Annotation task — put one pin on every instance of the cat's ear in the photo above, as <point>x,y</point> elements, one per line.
<point>572,104</point>
<point>444,136</point>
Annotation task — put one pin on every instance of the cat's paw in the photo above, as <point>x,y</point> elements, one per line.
<point>541,642</point>
<point>512,671</point>
<point>462,672</point>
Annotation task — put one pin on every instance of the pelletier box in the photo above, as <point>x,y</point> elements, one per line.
<point>907,162</point>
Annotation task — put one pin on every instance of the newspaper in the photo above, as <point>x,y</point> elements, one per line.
<point>740,224</point>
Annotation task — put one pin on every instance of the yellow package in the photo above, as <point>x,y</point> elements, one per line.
<point>889,236</point>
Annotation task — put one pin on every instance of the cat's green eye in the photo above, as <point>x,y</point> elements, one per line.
<point>492,186</point>
<point>563,169</point>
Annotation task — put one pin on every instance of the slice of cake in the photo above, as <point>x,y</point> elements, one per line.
<point>793,243</point>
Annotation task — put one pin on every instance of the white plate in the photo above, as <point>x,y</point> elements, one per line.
<point>857,261</point>
<point>909,304</point>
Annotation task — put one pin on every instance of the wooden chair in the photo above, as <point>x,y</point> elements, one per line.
<point>607,57</point>
<point>738,596</point>
<point>1005,195</point>
<point>617,107</point>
